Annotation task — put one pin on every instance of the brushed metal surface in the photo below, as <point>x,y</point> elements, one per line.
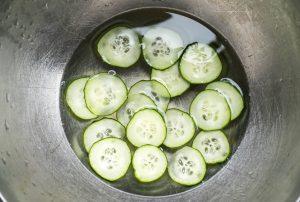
<point>37,39</point>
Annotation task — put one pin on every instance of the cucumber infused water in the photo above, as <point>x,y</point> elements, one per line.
<point>87,61</point>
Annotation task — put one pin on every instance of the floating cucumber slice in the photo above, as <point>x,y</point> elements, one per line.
<point>103,128</point>
<point>104,94</point>
<point>172,79</point>
<point>187,166</point>
<point>149,163</point>
<point>119,47</point>
<point>110,158</point>
<point>147,126</point>
<point>181,128</point>
<point>210,110</point>
<point>213,146</point>
<point>200,64</point>
<point>75,99</point>
<point>162,47</point>
<point>133,104</point>
<point>153,89</point>
<point>232,95</point>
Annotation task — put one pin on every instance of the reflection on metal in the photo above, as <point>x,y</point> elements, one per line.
<point>2,199</point>
<point>37,41</point>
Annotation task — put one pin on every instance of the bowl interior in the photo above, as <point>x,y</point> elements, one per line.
<point>85,61</point>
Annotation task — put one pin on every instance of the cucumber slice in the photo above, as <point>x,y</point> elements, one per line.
<point>213,146</point>
<point>120,47</point>
<point>232,95</point>
<point>146,127</point>
<point>133,104</point>
<point>103,128</point>
<point>153,89</point>
<point>104,94</point>
<point>75,99</point>
<point>161,47</point>
<point>200,64</point>
<point>172,79</point>
<point>110,158</point>
<point>187,166</point>
<point>181,128</point>
<point>210,110</point>
<point>149,163</point>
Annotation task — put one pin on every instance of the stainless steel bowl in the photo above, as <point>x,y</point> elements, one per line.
<point>38,38</point>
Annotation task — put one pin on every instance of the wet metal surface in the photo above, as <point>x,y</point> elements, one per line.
<point>37,39</point>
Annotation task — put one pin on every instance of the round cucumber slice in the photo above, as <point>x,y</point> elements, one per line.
<point>133,104</point>
<point>146,127</point>
<point>103,128</point>
<point>213,146</point>
<point>149,163</point>
<point>181,128</point>
<point>119,47</point>
<point>75,99</point>
<point>232,95</point>
<point>110,158</point>
<point>162,47</point>
<point>187,166</point>
<point>153,89</point>
<point>210,110</point>
<point>200,64</point>
<point>172,79</point>
<point>104,94</point>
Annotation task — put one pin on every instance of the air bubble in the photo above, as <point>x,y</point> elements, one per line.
<point>3,161</point>
<point>112,72</point>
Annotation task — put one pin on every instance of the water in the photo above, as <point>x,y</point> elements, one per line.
<point>86,62</point>
<point>232,82</point>
<point>112,72</point>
